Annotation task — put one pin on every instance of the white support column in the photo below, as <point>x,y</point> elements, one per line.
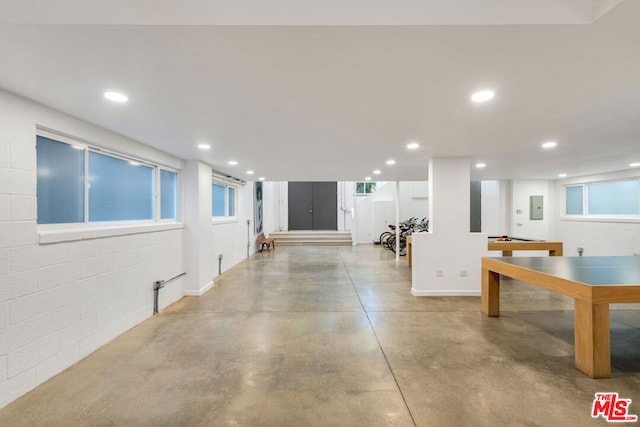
<point>198,257</point>
<point>447,259</point>
<point>397,221</point>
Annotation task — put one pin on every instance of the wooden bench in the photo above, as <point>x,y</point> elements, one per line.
<point>268,242</point>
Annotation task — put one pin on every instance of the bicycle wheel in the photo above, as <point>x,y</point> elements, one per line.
<point>383,238</point>
<point>390,243</point>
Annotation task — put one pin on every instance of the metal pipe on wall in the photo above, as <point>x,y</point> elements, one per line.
<point>159,284</point>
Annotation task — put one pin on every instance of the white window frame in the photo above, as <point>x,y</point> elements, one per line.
<point>585,216</point>
<point>226,217</point>
<point>365,188</point>
<point>62,232</point>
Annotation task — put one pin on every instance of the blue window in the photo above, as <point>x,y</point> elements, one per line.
<point>232,201</point>
<point>223,200</point>
<point>613,198</point>
<point>574,200</point>
<point>119,189</point>
<point>604,199</point>
<point>218,200</point>
<point>168,194</point>
<point>60,190</point>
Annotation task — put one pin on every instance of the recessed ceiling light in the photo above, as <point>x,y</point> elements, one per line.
<point>480,165</point>
<point>634,165</point>
<point>250,172</point>
<point>367,178</point>
<point>232,162</point>
<point>261,178</point>
<point>562,175</point>
<point>377,172</point>
<point>483,96</point>
<point>413,145</point>
<point>549,144</point>
<point>391,162</point>
<point>116,96</point>
<point>204,146</point>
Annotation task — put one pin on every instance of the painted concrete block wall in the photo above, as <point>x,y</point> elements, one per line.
<point>61,301</point>
<point>596,237</point>
<point>230,238</point>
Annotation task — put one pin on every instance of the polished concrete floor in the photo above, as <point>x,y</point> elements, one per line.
<point>331,336</point>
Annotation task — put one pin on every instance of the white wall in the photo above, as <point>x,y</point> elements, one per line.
<point>447,259</point>
<point>494,208</point>
<point>596,237</point>
<point>61,301</point>
<point>229,238</point>
<point>521,225</point>
<point>375,212</point>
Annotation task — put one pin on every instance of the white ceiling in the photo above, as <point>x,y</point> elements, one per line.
<point>334,100</point>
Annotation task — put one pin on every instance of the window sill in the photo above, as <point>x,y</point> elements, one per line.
<point>224,220</point>
<point>600,219</point>
<point>82,232</point>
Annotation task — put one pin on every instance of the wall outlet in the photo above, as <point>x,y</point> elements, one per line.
<point>463,272</point>
<point>439,272</point>
<point>580,250</point>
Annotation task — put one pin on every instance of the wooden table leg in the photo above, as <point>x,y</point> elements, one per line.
<point>592,339</point>
<point>490,293</point>
<point>409,251</point>
<point>507,253</point>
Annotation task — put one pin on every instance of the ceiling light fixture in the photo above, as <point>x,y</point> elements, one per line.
<point>562,175</point>
<point>391,162</point>
<point>250,172</point>
<point>232,162</point>
<point>413,146</point>
<point>377,172</point>
<point>116,97</point>
<point>261,178</point>
<point>483,96</point>
<point>367,178</point>
<point>204,146</point>
<point>549,144</point>
<point>634,165</point>
<point>480,165</point>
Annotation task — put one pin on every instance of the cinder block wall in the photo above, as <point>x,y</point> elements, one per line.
<point>61,301</point>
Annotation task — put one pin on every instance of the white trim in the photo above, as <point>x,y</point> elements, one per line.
<point>592,218</point>
<point>76,140</point>
<point>217,220</point>
<point>71,234</point>
<point>200,291</point>
<point>447,293</point>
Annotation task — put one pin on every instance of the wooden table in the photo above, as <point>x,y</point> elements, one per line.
<point>593,282</point>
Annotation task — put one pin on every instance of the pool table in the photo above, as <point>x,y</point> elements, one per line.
<point>508,246</point>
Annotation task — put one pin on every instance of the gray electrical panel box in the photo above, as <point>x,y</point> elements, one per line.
<point>535,207</point>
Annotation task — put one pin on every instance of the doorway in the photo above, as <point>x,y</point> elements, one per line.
<point>313,206</point>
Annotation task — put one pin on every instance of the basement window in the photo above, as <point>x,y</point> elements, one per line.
<point>365,188</point>
<point>619,199</point>
<point>81,184</point>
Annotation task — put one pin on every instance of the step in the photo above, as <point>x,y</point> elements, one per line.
<point>311,237</point>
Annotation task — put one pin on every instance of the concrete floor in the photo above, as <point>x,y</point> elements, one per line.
<point>331,336</point>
